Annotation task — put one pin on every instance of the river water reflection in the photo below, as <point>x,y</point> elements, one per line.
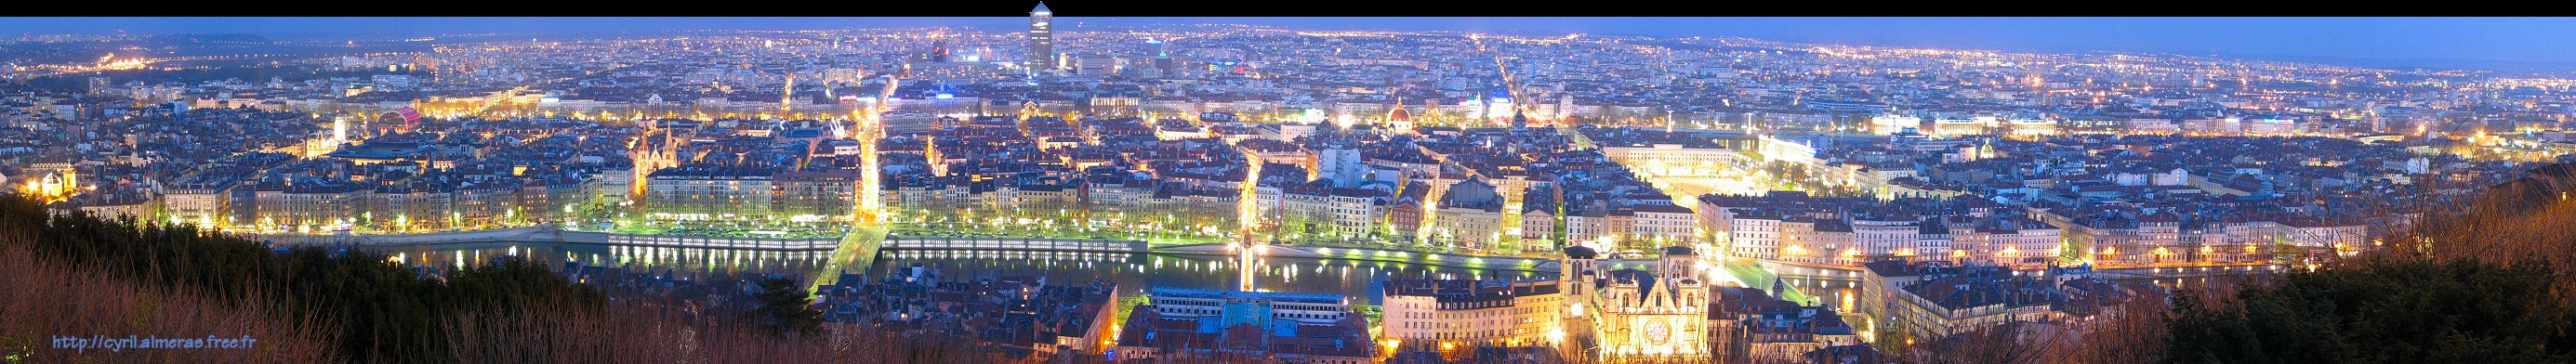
<point>679,261</point>
<point>1132,272</point>
<point>1360,279</point>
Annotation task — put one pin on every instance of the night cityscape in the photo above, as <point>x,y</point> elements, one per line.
<point>1287,190</point>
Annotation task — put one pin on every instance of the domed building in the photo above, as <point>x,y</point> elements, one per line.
<point>1398,118</point>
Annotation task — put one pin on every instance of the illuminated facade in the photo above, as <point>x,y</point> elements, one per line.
<point>54,185</point>
<point>1640,314</point>
<point>1473,312</point>
<point>816,194</point>
<point>201,204</point>
<point>710,193</point>
<point>292,207</point>
<point>1470,214</point>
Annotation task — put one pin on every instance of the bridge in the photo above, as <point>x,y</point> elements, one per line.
<point>868,233</point>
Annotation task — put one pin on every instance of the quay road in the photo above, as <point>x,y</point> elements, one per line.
<point>864,245</point>
<point>545,234</point>
<point>1799,270</point>
<point>1367,254</point>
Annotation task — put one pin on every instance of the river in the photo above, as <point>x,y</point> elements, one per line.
<point>1133,272</point>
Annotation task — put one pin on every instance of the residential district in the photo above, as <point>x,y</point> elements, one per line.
<point>1662,179</point>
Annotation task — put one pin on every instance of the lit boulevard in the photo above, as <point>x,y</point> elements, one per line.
<point>1592,197</point>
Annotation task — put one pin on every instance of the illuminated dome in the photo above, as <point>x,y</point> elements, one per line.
<point>1398,115</point>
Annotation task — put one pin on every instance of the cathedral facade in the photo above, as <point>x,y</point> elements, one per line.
<point>1634,313</point>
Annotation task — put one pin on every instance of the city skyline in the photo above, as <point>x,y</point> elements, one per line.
<point>2480,43</point>
<point>1054,190</point>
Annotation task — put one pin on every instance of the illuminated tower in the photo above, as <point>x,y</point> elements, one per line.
<point>1041,38</point>
<point>1678,262</point>
<point>1162,56</point>
<point>651,156</point>
<point>1576,274</point>
<point>939,50</point>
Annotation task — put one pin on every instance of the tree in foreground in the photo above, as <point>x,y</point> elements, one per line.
<point>2384,310</point>
<point>785,308</point>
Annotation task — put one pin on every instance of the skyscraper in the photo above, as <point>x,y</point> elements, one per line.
<point>1041,38</point>
<point>1162,55</point>
<point>939,51</point>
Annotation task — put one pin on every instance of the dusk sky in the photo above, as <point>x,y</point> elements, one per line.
<point>2501,39</point>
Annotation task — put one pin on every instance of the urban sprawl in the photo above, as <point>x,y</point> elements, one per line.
<point>1669,183</point>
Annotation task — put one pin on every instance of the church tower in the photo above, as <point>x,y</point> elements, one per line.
<point>1576,273</point>
<point>1577,280</point>
<point>1678,262</point>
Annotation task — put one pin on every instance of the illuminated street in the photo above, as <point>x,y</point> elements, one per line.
<point>1085,189</point>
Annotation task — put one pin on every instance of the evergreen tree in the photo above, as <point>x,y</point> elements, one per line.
<point>376,310</point>
<point>785,308</point>
<point>2384,311</point>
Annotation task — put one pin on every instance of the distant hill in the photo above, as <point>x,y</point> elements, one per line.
<point>2406,64</point>
<point>212,38</point>
<point>70,52</point>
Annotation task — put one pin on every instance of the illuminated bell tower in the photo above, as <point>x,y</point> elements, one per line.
<point>1678,262</point>
<point>1575,277</point>
<point>650,156</point>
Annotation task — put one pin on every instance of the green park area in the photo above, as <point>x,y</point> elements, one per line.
<point>1753,275</point>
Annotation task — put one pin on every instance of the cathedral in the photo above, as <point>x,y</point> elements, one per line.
<point>1636,313</point>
